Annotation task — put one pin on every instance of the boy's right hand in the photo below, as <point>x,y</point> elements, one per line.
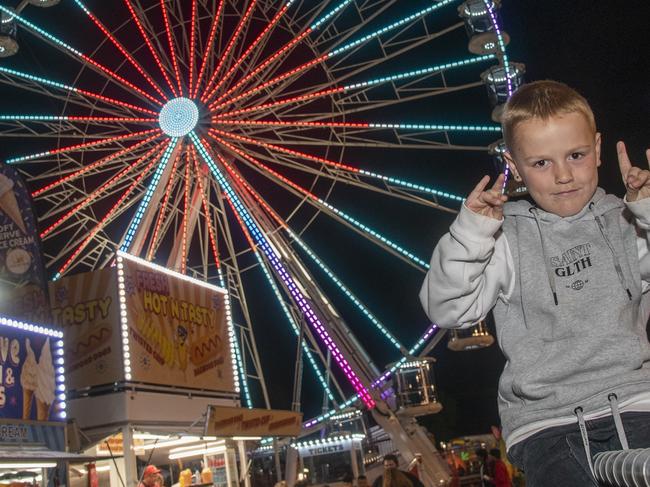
<point>488,202</point>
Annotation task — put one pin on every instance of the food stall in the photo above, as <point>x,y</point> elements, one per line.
<point>148,350</point>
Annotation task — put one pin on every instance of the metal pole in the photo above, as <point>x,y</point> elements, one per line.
<point>130,467</point>
<point>243,464</point>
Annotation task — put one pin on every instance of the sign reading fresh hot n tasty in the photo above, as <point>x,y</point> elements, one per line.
<point>228,421</point>
<point>140,322</point>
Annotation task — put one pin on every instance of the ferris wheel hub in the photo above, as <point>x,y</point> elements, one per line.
<point>178,117</point>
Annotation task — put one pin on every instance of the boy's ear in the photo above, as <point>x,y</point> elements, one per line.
<point>598,149</point>
<point>511,164</point>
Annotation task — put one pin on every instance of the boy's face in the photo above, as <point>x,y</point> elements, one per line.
<point>558,160</point>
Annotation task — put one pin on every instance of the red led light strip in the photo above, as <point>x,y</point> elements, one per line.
<point>125,53</point>
<point>115,207</point>
<point>172,48</point>
<point>150,46</point>
<point>224,56</point>
<point>273,81</point>
<point>259,68</point>
<point>208,46</point>
<point>98,163</point>
<point>163,208</point>
<point>92,196</point>
<point>250,48</point>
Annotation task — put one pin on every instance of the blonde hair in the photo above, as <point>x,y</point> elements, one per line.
<point>542,100</point>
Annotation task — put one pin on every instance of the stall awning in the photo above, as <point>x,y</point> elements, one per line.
<point>31,454</point>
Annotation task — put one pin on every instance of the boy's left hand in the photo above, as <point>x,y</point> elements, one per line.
<point>636,180</point>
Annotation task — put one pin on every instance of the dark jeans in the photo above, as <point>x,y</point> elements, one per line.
<point>556,457</point>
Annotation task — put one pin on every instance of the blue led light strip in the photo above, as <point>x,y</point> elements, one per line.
<point>388,28</point>
<point>144,203</point>
<point>345,290</point>
<point>35,28</point>
<point>330,14</point>
<point>415,186</point>
<point>419,72</point>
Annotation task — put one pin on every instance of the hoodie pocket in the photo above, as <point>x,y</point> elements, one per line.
<point>573,368</point>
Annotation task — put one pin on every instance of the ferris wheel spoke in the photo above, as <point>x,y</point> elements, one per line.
<point>332,211</point>
<point>78,55</point>
<point>295,292</point>
<point>281,301</point>
<point>342,287</point>
<point>155,238</point>
<point>283,50</point>
<point>351,174</point>
<point>117,207</point>
<point>332,53</point>
<point>94,195</point>
<point>152,50</point>
<point>268,29</point>
<point>171,46</point>
<point>121,48</point>
<point>146,198</point>
<point>190,71</point>
<point>78,91</point>
<point>97,164</point>
<point>224,57</point>
<point>216,18</point>
<point>73,118</point>
<point>78,147</point>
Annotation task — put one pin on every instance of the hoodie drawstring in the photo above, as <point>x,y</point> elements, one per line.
<point>617,264</point>
<point>618,422</point>
<point>549,271</point>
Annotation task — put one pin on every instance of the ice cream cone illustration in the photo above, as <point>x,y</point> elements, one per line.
<point>9,204</point>
<point>28,379</point>
<point>28,397</point>
<point>45,383</point>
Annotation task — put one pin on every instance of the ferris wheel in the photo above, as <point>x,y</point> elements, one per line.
<point>211,135</point>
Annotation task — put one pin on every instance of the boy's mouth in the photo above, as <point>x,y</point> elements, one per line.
<point>568,192</point>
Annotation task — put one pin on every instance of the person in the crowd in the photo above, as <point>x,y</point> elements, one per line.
<point>394,477</point>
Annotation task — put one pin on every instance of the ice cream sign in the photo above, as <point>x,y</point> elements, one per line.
<point>31,372</point>
<point>22,283</point>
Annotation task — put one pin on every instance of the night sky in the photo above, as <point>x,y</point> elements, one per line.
<point>598,47</point>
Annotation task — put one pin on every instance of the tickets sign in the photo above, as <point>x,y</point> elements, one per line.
<point>86,307</point>
<point>228,421</point>
<point>177,327</point>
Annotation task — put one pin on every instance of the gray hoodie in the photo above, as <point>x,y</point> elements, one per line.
<point>566,297</point>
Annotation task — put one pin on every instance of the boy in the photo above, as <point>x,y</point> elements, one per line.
<point>565,278</point>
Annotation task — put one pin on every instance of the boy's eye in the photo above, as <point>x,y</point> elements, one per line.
<point>576,155</point>
<point>541,163</point>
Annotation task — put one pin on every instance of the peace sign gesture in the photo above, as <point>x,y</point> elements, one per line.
<point>488,203</point>
<point>636,180</point>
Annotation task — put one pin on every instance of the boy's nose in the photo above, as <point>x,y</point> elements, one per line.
<point>563,173</point>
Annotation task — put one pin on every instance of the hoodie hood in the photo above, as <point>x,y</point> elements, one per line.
<point>599,204</point>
